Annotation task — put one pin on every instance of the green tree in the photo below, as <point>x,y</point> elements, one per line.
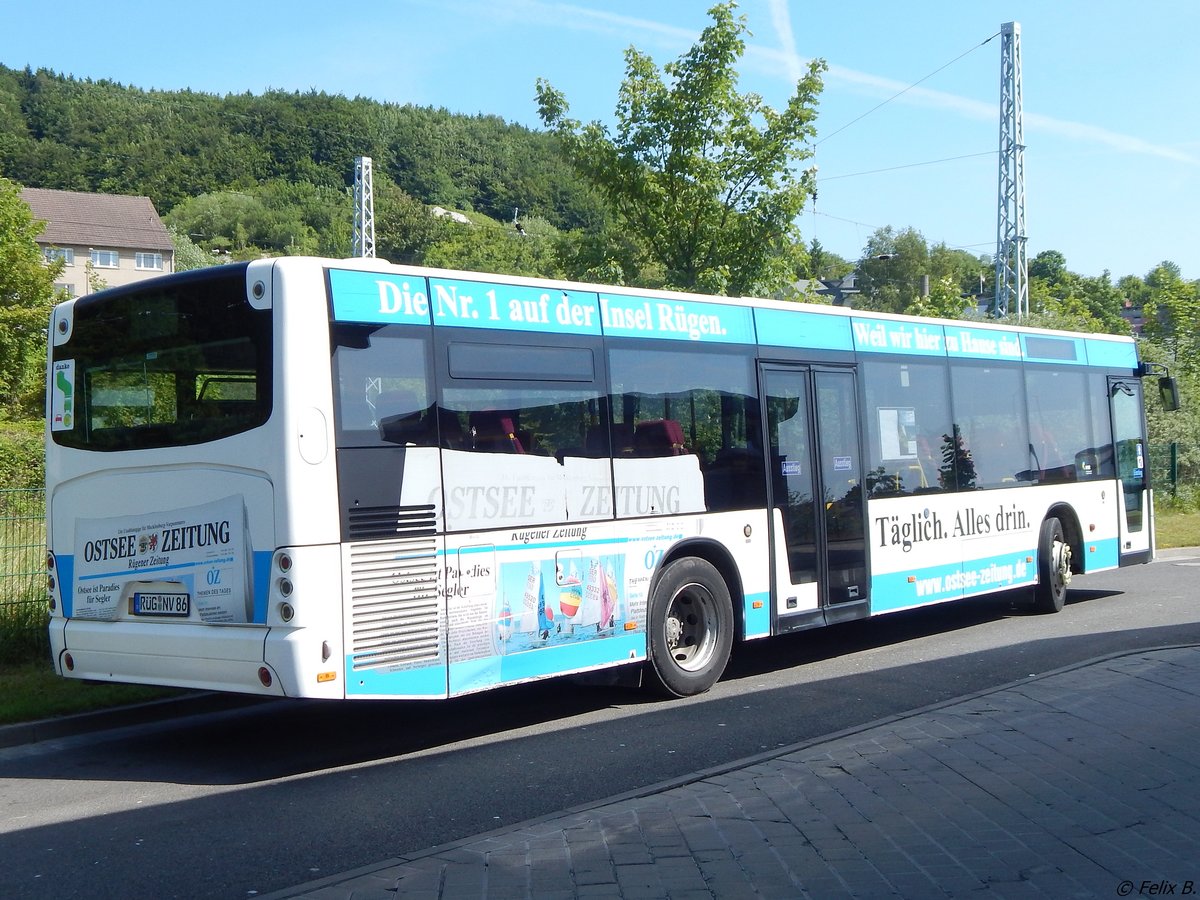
<point>824,263</point>
<point>1173,312</point>
<point>275,217</point>
<point>1050,266</point>
<point>609,255</point>
<point>945,300</point>
<point>404,227</point>
<point>1133,289</point>
<point>889,273</point>
<point>969,273</point>
<point>706,178</point>
<point>488,246</point>
<point>26,295</point>
<point>1079,303</point>
<point>188,254</point>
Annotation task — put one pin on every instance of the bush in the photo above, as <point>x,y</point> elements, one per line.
<point>23,632</point>
<point>22,544</point>
<point>22,455</point>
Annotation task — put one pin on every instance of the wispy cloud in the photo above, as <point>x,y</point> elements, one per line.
<point>781,20</point>
<point>969,108</point>
<point>581,18</point>
<point>1125,143</point>
<point>783,61</point>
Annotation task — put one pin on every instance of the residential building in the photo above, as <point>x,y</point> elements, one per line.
<point>116,239</point>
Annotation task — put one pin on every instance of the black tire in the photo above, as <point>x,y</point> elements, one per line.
<point>1054,568</point>
<point>690,628</point>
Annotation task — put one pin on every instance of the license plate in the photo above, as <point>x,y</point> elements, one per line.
<point>159,603</point>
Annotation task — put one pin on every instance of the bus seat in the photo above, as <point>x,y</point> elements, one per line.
<point>658,437</point>
<point>493,431</point>
<point>596,440</point>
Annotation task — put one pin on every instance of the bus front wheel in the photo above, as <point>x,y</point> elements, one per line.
<point>690,628</point>
<point>1054,568</point>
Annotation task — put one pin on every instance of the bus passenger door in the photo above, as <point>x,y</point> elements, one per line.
<point>818,528</point>
<point>1132,461</point>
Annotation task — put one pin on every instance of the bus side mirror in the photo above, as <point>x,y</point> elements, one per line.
<point>1168,391</point>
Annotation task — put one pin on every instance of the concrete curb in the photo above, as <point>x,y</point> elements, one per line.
<point>189,704</point>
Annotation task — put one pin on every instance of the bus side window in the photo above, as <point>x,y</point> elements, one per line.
<point>907,413</point>
<point>989,409</point>
<point>698,407</point>
<point>1068,440</point>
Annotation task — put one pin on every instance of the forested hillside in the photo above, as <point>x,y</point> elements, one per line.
<point>174,146</point>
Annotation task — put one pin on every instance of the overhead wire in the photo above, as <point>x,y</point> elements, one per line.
<point>900,93</point>
<point>880,105</point>
<point>928,162</point>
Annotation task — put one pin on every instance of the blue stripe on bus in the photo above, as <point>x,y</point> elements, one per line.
<point>262,584</point>
<point>676,320</point>
<point>490,671</point>
<point>1107,555</point>
<point>261,581</point>
<point>1111,354</point>
<point>814,331</point>
<point>757,621</point>
<point>378,298</point>
<point>964,342</point>
<point>888,336</point>
<point>426,681</point>
<point>512,307</point>
<point>933,584</point>
<point>65,565</point>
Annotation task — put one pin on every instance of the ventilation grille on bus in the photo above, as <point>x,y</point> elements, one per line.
<point>372,522</point>
<point>394,603</point>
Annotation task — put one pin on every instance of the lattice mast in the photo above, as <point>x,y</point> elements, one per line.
<point>1012,269</point>
<point>364,208</point>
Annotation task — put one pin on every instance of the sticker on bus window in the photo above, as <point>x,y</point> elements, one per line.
<point>792,467</point>
<point>842,464</point>
<point>62,396</point>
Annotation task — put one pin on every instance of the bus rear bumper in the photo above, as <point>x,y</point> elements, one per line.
<point>201,657</point>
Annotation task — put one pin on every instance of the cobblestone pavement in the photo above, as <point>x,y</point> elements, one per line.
<point>1080,783</point>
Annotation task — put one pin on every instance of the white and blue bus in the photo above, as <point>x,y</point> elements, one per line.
<point>350,479</point>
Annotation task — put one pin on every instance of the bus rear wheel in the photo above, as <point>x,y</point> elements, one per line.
<point>1054,568</point>
<point>690,628</point>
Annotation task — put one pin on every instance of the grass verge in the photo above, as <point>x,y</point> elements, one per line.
<point>32,691</point>
<point>1177,529</point>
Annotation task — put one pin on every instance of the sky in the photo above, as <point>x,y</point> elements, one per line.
<point>908,127</point>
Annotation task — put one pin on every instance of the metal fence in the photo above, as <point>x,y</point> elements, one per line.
<point>22,573</point>
<point>1172,467</point>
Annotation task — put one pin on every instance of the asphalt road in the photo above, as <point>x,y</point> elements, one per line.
<point>246,802</point>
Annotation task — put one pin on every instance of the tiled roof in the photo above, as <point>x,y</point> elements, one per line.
<point>103,221</point>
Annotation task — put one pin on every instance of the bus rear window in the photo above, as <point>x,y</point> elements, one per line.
<point>184,361</point>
